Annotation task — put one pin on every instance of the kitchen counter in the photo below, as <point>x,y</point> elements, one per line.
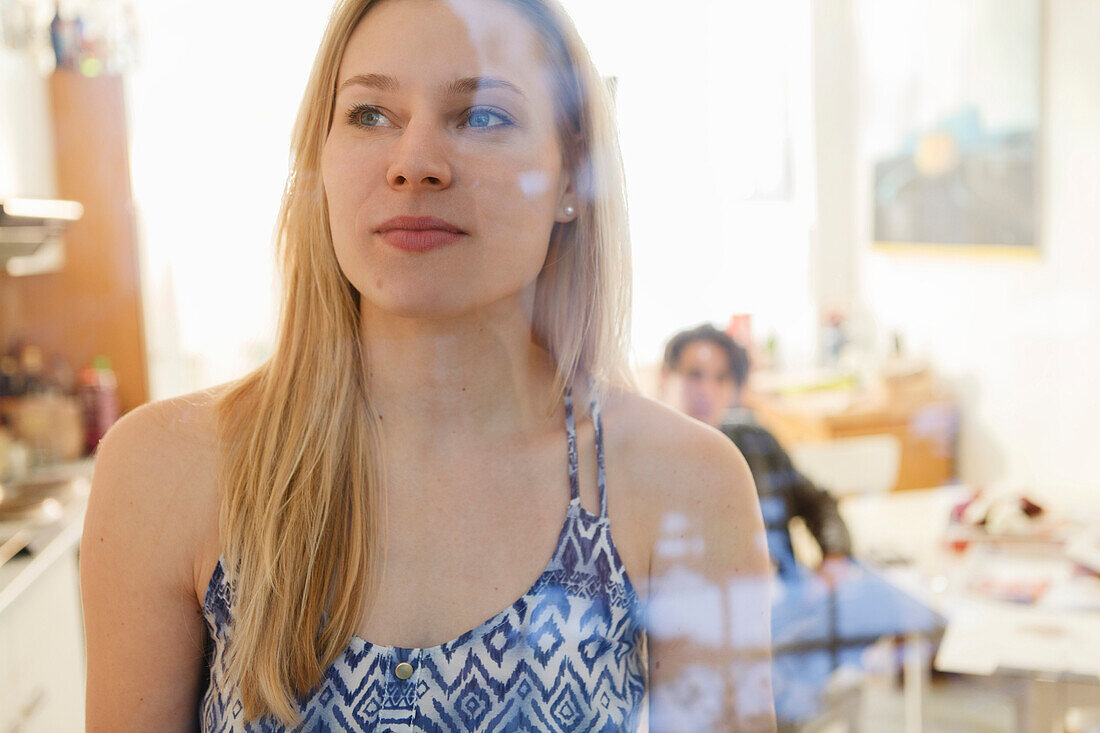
<point>42,660</point>
<point>49,542</point>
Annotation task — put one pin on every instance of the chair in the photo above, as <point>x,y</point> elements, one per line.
<point>863,464</point>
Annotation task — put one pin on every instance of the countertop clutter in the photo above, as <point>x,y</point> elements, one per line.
<point>51,421</point>
<point>48,412</point>
<point>35,510</point>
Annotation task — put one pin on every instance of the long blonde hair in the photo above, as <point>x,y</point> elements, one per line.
<point>300,459</point>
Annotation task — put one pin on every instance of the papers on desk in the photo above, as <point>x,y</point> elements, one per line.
<point>985,638</point>
<point>1084,549</point>
<point>1056,635</point>
<point>1080,593</point>
<point>1012,576</point>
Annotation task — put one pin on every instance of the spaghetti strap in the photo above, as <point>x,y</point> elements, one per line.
<point>601,479</point>
<point>571,439</point>
<point>571,434</point>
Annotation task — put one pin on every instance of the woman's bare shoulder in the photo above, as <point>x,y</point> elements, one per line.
<point>674,463</point>
<point>664,446</point>
<point>143,543</point>
<point>160,459</point>
<point>166,435</point>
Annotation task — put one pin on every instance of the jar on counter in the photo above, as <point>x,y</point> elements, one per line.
<point>51,426</point>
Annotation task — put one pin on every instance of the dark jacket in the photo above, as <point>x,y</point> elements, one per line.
<point>785,493</point>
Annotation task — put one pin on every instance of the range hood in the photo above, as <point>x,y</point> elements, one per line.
<point>30,233</point>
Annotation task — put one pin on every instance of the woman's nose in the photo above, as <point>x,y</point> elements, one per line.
<point>420,159</point>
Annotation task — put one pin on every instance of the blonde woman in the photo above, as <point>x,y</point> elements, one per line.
<point>441,504</point>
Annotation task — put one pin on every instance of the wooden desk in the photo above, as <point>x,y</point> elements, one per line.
<point>926,428</point>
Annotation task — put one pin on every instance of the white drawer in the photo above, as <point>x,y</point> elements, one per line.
<point>42,654</point>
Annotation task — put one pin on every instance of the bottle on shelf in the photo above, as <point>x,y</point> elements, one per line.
<point>11,386</point>
<point>98,391</point>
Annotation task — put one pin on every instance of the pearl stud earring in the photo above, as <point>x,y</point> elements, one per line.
<point>569,210</point>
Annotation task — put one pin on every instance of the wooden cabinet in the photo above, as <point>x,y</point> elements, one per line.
<point>92,305</point>
<point>926,430</point>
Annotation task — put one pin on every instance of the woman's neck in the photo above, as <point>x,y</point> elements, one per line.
<point>437,381</point>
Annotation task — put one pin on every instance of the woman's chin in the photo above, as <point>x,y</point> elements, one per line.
<point>421,305</point>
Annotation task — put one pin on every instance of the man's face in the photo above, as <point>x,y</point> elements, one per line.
<point>702,384</point>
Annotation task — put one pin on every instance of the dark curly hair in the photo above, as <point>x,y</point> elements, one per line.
<point>736,354</point>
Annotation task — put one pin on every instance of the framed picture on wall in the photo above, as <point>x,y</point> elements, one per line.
<point>952,111</point>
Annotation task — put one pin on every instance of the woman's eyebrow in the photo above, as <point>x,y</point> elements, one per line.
<point>465,85</point>
<point>470,84</point>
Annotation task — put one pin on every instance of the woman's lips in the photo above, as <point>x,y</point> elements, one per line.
<point>419,240</point>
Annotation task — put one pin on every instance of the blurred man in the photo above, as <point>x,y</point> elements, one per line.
<point>704,375</point>
<point>819,621</point>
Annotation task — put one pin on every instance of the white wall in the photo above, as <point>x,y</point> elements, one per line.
<point>1018,339</point>
<point>835,105</point>
<point>695,85</point>
<point>26,132</point>
<point>211,105</point>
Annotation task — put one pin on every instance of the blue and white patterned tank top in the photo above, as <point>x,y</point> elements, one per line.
<point>566,656</point>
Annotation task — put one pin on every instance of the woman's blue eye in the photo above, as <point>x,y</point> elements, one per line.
<point>369,115</point>
<point>366,116</point>
<point>482,117</point>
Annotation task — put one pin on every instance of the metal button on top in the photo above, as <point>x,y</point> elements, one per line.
<point>403,670</point>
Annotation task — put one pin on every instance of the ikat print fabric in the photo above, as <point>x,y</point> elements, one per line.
<point>567,655</point>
